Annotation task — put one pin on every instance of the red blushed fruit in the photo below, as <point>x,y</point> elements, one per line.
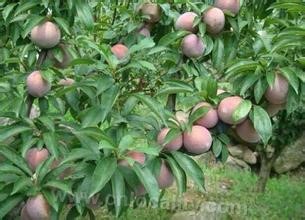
<point>227,107</point>
<point>198,140</point>
<point>192,46</point>
<point>165,178</point>
<point>214,19</point>
<point>137,156</point>
<point>247,132</point>
<point>120,51</point>
<point>34,157</point>
<point>278,92</point>
<point>186,22</point>
<point>46,35</point>
<point>36,208</point>
<point>36,85</point>
<point>210,119</point>
<point>231,6</point>
<point>175,144</point>
<point>273,109</point>
<point>24,214</point>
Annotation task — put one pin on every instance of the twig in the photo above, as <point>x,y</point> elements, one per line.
<point>115,12</point>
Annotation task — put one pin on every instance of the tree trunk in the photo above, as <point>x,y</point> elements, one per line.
<point>265,170</point>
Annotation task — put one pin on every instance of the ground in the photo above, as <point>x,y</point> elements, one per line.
<point>229,195</point>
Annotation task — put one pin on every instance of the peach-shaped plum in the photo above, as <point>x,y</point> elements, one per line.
<point>45,35</point>
<point>210,119</point>
<point>278,92</point>
<point>192,46</point>
<point>273,109</point>
<point>165,178</point>
<point>214,19</point>
<point>34,157</point>
<point>120,51</point>
<point>198,140</point>
<point>231,6</point>
<point>175,144</point>
<point>36,85</point>
<point>247,132</point>
<point>227,107</point>
<point>186,22</point>
<point>37,208</point>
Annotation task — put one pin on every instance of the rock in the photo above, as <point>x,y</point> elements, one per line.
<point>237,163</point>
<point>291,157</point>
<point>243,153</point>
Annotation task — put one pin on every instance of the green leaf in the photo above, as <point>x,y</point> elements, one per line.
<point>47,122</point>
<point>178,173</point>
<point>171,37</point>
<point>217,147</point>
<point>143,44</point>
<point>52,199</point>
<point>154,106</point>
<point>241,66</point>
<point>118,192</point>
<point>126,142</point>
<point>77,154</point>
<point>7,10</point>
<point>24,6</point>
<point>11,130</point>
<point>148,180</point>
<point>224,154</point>
<point>218,53</point>
<point>9,204</point>
<point>84,12</point>
<point>291,76</point>
<point>260,89</point>
<point>15,159</point>
<point>147,65</point>
<point>59,184</point>
<point>31,22</point>
<point>51,142</point>
<point>242,110</point>
<point>198,113</point>
<point>63,24</point>
<point>171,135</point>
<point>109,98</point>
<point>262,123</point>
<point>21,185</point>
<point>102,174</point>
<point>175,87</point>
<point>8,168</point>
<point>190,167</point>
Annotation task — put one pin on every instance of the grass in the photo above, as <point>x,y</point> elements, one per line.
<point>231,193</point>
